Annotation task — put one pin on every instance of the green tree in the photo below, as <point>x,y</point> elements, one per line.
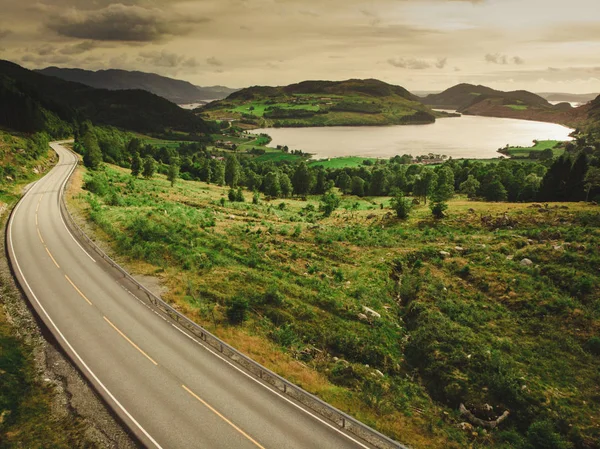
<point>271,184</point>
<point>149,167</point>
<point>470,187</point>
<point>232,171</point>
<point>329,203</point>
<point>358,186</point>
<point>92,156</point>
<point>217,172</point>
<point>286,185</point>
<point>401,205</point>
<point>591,181</point>
<point>237,310</point>
<point>173,172</point>
<point>444,185</point>
<point>379,182</point>
<point>344,182</point>
<point>302,180</point>
<point>134,146</point>
<point>136,165</point>
<point>438,209</point>
<point>424,184</point>
<point>494,191</point>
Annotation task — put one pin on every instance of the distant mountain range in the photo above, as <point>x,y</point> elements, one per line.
<point>322,103</point>
<point>176,91</point>
<point>481,100</point>
<point>31,101</point>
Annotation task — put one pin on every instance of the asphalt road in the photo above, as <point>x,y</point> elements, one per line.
<point>171,391</point>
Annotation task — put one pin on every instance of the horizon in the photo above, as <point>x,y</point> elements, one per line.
<point>418,44</point>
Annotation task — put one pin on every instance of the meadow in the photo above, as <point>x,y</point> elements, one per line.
<point>396,322</point>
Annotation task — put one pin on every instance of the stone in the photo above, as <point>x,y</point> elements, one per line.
<point>231,217</point>
<point>444,254</point>
<point>459,249</point>
<point>526,262</point>
<point>380,373</point>
<point>363,317</point>
<point>371,312</point>
<point>511,257</point>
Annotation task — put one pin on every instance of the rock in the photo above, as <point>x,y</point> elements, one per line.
<point>371,312</point>
<point>530,242</point>
<point>510,257</point>
<point>335,359</point>
<point>444,254</point>
<point>380,373</point>
<point>557,248</point>
<point>231,217</point>
<point>459,249</point>
<point>526,262</point>
<point>465,426</point>
<point>363,317</point>
<point>371,216</point>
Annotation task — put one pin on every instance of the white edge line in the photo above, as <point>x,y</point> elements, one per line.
<point>61,334</point>
<point>209,349</point>
<point>61,192</point>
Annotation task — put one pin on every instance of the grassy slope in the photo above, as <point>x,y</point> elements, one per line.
<point>539,146</point>
<point>473,327</point>
<point>26,419</point>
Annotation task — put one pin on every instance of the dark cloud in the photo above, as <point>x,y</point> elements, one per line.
<point>214,61</point>
<point>119,22</point>
<point>441,63</point>
<point>167,59</point>
<point>4,33</point>
<point>409,63</point>
<point>497,58</point>
<point>78,49</point>
<point>518,60</point>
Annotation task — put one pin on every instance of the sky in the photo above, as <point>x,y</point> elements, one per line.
<point>423,45</point>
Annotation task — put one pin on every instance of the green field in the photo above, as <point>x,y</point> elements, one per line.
<point>458,318</point>
<point>342,162</point>
<point>517,107</point>
<point>258,108</point>
<point>539,146</point>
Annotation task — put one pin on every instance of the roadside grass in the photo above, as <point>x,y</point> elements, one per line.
<point>472,326</point>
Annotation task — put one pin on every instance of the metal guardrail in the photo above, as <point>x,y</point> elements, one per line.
<point>335,416</point>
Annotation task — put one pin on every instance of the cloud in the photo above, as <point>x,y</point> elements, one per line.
<point>78,49</point>
<point>119,22</point>
<point>497,58</point>
<point>167,59</point>
<point>4,33</point>
<point>441,63</point>
<point>214,61</point>
<point>410,63</point>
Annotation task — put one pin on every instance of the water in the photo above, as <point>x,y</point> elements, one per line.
<point>464,137</point>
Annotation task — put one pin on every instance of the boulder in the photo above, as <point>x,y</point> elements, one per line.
<point>371,312</point>
<point>363,317</point>
<point>526,262</point>
<point>444,254</point>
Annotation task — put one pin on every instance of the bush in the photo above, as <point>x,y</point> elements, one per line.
<point>542,435</point>
<point>438,209</point>
<point>593,345</point>
<point>237,310</point>
<point>97,184</point>
<point>329,203</point>
<point>401,205</point>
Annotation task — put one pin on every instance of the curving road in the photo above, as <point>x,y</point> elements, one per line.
<point>171,391</point>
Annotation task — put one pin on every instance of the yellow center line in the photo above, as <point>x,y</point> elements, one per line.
<point>77,290</point>
<point>36,219</point>
<point>53,259</point>
<point>130,342</point>
<point>40,235</point>
<point>208,406</point>
<point>38,204</point>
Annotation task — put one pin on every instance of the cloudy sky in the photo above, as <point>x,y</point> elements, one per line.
<point>539,45</point>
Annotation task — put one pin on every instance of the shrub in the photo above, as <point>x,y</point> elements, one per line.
<point>438,209</point>
<point>237,310</point>
<point>232,195</point>
<point>542,435</point>
<point>329,203</point>
<point>401,205</point>
<point>593,345</point>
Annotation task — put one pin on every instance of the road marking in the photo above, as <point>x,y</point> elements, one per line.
<point>77,290</point>
<point>275,392</point>
<point>53,259</point>
<point>130,342</point>
<point>77,356</point>
<point>38,205</point>
<point>40,235</point>
<point>36,219</point>
<point>208,406</point>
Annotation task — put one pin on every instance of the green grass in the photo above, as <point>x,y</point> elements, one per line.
<point>259,108</point>
<point>342,162</point>
<point>474,327</point>
<point>539,146</point>
<point>517,107</point>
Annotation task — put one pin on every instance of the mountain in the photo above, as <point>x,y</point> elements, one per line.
<point>321,103</point>
<point>33,100</point>
<point>176,91</point>
<point>470,99</point>
<point>569,98</point>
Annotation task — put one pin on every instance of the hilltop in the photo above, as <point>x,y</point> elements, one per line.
<point>174,90</point>
<point>322,103</point>
<point>520,104</point>
<point>34,102</point>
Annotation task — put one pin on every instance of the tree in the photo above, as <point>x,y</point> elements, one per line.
<point>424,184</point>
<point>444,185</point>
<point>592,181</point>
<point>136,165</point>
<point>344,182</point>
<point>438,208</point>
<point>149,167</point>
<point>271,185</point>
<point>358,186</point>
<point>232,171</point>
<point>173,172</point>
<point>302,180</point>
<point>329,203</point>
<point>218,172</point>
<point>494,191</point>
<point>401,205</point>
<point>470,187</point>
<point>92,156</point>
<point>321,182</point>
<point>379,182</point>
<point>237,310</point>
<point>286,185</point>
<point>134,146</point>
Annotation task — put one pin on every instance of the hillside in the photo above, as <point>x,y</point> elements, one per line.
<point>31,100</point>
<point>481,100</point>
<point>322,103</point>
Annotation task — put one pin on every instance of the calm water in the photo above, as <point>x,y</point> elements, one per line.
<point>464,137</point>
